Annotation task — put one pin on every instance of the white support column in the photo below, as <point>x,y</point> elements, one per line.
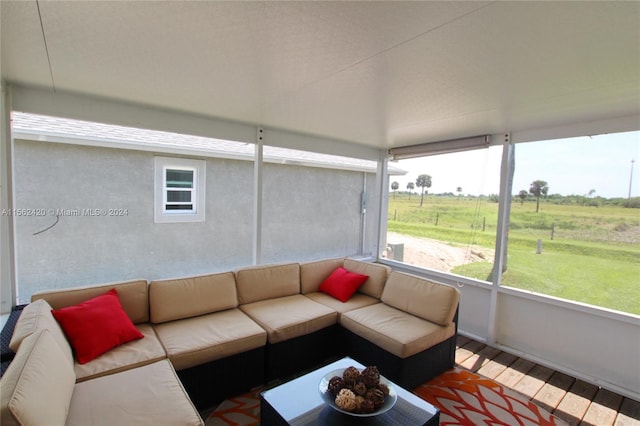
<point>257,197</point>
<point>502,232</point>
<point>7,247</point>
<point>382,183</point>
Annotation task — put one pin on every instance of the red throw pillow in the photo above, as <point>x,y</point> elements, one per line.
<point>341,284</point>
<point>95,326</point>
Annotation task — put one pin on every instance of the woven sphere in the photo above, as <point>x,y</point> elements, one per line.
<point>384,388</point>
<point>360,389</point>
<point>336,383</point>
<point>351,375</point>
<point>376,396</point>
<point>370,376</point>
<point>346,400</point>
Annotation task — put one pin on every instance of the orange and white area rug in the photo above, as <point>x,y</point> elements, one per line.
<point>464,398</point>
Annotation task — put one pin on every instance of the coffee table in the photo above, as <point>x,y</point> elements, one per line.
<point>298,403</point>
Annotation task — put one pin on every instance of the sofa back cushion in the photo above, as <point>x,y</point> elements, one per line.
<point>312,274</point>
<point>428,300</point>
<point>189,297</point>
<point>267,282</point>
<point>133,295</point>
<point>38,385</point>
<point>377,276</point>
<point>35,317</point>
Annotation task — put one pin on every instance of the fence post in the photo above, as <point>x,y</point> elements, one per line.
<point>539,250</point>
<point>437,217</point>
<point>553,230</point>
<point>484,222</point>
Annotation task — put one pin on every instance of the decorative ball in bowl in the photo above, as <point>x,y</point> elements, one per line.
<point>357,392</point>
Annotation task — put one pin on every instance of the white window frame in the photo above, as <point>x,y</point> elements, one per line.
<point>197,212</point>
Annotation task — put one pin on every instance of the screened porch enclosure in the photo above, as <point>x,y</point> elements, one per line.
<point>349,79</point>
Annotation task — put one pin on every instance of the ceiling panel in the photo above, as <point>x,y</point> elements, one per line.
<point>376,73</point>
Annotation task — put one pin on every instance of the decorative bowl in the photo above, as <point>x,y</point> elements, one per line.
<point>329,399</point>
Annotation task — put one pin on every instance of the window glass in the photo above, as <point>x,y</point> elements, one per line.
<point>575,220</point>
<point>443,212</point>
<point>179,178</point>
<point>179,190</point>
<point>179,199</point>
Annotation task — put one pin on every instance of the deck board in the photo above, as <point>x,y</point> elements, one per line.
<point>603,409</point>
<point>573,400</point>
<point>497,365</point>
<point>533,382</point>
<point>576,402</point>
<point>629,413</point>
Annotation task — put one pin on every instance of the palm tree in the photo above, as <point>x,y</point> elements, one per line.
<point>423,181</point>
<point>395,186</point>
<point>523,196</point>
<point>410,187</point>
<point>538,188</point>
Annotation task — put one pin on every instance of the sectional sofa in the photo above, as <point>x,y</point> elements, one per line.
<point>203,338</point>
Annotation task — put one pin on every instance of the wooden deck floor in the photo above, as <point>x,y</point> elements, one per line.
<point>572,400</point>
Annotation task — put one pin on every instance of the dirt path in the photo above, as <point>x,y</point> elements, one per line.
<point>437,255</point>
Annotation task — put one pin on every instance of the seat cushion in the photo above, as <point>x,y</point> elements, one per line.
<point>189,297</point>
<point>148,395</point>
<point>124,357</point>
<point>357,301</point>
<point>428,300</point>
<point>287,317</point>
<point>197,340</point>
<point>38,385</point>
<point>395,331</point>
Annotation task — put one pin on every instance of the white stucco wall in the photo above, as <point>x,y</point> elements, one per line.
<point>309,212</point>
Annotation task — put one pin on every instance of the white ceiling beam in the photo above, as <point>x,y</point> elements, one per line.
<point>87,108</point>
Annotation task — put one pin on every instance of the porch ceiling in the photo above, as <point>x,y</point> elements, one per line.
<point>383,74</point>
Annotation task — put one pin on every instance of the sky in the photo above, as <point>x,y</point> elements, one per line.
<point>572,166</point>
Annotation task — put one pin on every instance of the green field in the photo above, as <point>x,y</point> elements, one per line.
<point>590,251</point>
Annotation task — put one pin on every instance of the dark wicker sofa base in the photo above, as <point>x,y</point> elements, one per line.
<point>407,372</point>
<point>210,383</point>
<point>297,355</point>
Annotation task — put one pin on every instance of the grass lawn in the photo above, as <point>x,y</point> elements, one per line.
<point>594,256</point>
<point>613,284</point>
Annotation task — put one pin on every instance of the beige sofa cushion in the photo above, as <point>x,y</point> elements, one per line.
<point>287,317</point>
<point>133,295</point>
<point>35,317</point>
<point>267,282</point>
<point>357,301</point>
<point>37,386</point>
<point>189,297</point>
<point>428,300</point>
<point>197,340</point>
<point>124,357</point>
<point>312,274</point>
<point>148,395</point>
<point>395,331</point>
<point>377,276</point>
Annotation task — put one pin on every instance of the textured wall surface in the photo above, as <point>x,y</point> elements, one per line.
<point>308,213</point>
